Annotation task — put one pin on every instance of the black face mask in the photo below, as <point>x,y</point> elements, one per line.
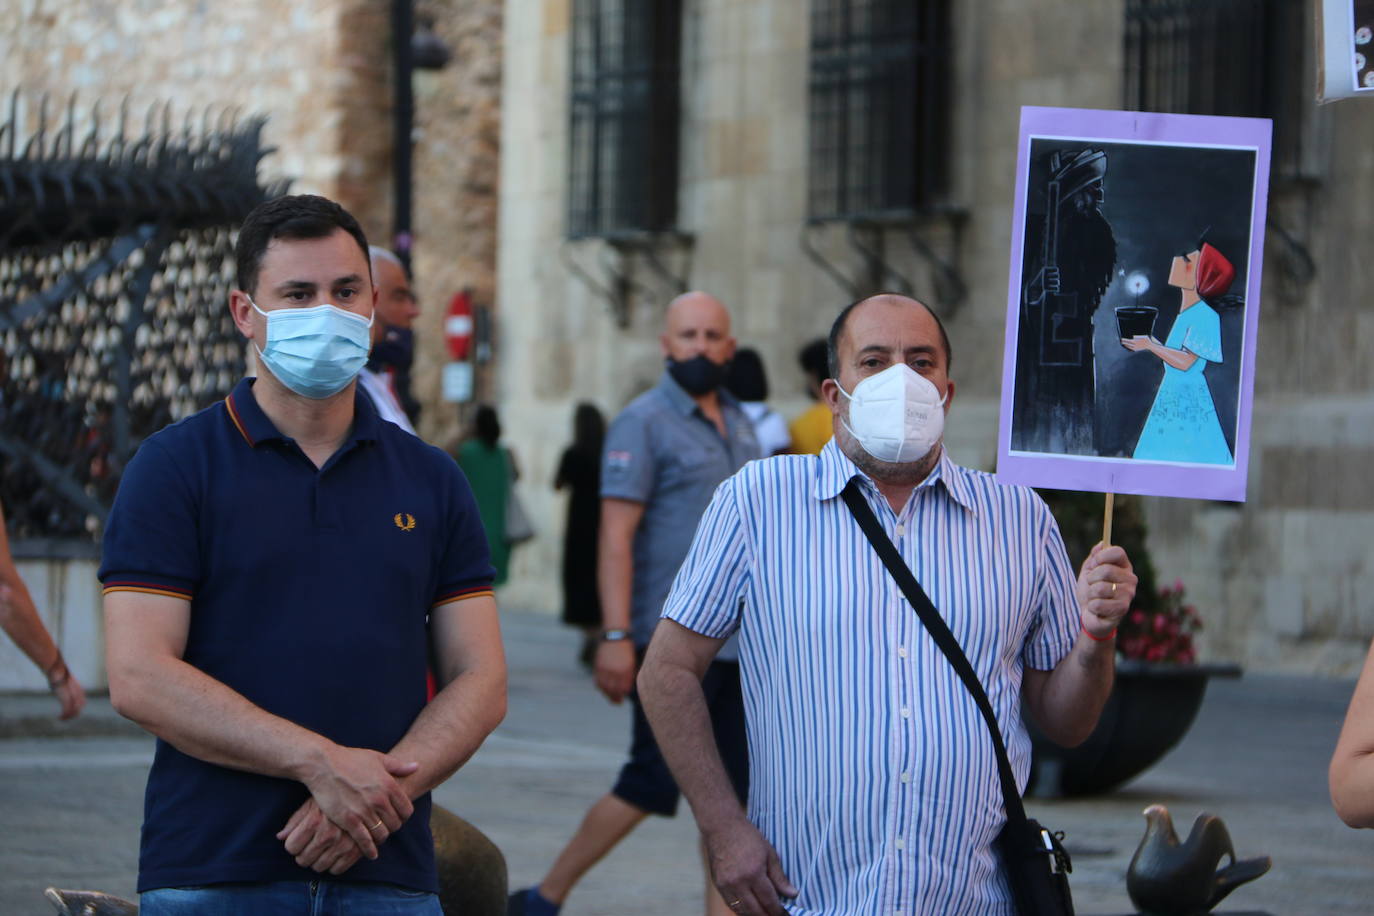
<point>396,350</point>
<point>697,375</point>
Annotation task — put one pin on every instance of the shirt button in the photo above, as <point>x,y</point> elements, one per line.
<point>906,778</point>
<point>901,844</point>
<point>906,713</point>
<point>901,530</point>
<point>901,651</point>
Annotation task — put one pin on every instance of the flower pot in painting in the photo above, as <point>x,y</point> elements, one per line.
<point>1136,320</point>
<point>1149,711</point>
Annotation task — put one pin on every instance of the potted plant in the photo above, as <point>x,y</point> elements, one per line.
<point>1159,684</point>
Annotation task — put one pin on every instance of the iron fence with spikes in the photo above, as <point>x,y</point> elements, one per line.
<point>116,260</point>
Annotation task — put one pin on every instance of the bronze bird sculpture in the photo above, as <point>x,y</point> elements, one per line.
<point>89,903</point>
<point>1169,878</point>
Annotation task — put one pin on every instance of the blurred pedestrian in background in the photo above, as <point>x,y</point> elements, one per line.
<point>383,379</point>
<point>747,381</point>
<point>393,341</point>
<point>812,428</point>
<point>491,470</point>
<point>20,620</point>
<point>664,455</point>
<point>579,472</point>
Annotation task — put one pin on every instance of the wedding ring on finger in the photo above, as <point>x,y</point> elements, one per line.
<point>1113,589</point>
<point>374,826</point>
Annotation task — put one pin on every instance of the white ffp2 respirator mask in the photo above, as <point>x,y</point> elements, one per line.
<point>896,415</point>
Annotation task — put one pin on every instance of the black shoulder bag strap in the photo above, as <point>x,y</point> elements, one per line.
<point>1024,836</point>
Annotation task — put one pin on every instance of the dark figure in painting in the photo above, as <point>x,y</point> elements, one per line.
<point>1071,256</point>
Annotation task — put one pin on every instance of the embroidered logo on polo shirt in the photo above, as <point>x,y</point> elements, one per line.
<point>404,520</point>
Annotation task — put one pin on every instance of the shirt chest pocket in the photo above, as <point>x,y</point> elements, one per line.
<point>684,464</point>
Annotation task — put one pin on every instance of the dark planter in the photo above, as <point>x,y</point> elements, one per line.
<point>1149,711</point>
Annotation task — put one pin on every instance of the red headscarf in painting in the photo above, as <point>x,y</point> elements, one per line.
<point>1214,273</point>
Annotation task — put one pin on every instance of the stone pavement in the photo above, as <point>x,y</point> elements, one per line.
<point>70,797</point>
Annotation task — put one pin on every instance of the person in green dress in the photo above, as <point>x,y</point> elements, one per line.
<point>490,469</point>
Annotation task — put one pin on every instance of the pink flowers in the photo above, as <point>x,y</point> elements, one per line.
<point>1162,635</point>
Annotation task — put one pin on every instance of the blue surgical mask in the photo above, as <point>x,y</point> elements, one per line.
<point>314,351</point>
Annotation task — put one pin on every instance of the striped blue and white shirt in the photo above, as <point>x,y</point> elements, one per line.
<point>872,773</point>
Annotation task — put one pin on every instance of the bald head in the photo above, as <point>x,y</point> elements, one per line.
<point>396,305</point>
<point>891,304</point>
<point>697,323</point>
<point>695,307</point>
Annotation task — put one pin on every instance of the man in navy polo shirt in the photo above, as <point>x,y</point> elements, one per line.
<point>279,570</point>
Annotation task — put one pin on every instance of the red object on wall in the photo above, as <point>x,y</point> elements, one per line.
<point>458,325</point>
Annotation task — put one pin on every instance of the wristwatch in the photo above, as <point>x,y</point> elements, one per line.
<point>614,635</point>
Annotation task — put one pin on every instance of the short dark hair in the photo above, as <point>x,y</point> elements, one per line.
<point>294,216</point>
<point>745,378</point>
<point>814,360</point>
<point>832,348</point>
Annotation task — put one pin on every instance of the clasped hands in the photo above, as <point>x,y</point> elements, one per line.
<point>356,802</point>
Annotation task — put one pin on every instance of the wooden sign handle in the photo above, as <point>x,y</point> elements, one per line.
<point>1107,522</point>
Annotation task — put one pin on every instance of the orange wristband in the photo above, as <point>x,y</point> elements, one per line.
<point>1108,638</point>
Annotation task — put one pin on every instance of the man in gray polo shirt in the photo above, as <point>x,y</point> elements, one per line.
<point>664,456</point>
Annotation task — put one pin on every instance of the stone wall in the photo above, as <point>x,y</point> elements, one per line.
<point>307,65</point>
<point>1284,582</point>
<point>457,168</point>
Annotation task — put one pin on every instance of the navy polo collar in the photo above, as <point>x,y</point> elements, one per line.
<point>256,428</point>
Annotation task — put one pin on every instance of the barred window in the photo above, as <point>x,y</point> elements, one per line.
<point>623,141</point>
<point>1221,57</point>
<point>879,107</point>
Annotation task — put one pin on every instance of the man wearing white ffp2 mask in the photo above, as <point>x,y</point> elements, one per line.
<point>778,557</point>
<point>897,415</point>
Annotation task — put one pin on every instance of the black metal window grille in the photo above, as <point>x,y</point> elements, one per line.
<point>879,107</point>
<point>625,112</point>
<point>116,261</point>
<point>1243,58</point>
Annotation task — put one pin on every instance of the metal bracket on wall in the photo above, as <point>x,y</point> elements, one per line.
<point>950,288</point>
<point>619,256</point>
<point>870,240</point>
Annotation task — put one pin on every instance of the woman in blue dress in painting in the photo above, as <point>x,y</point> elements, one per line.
<point>1183,424</point>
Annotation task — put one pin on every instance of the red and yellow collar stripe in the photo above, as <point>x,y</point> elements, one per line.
<point>237,420</point>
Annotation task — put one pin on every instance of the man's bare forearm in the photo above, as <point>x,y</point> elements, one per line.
<point>1075,692</point>
<point>451,728</point>
<point>676,707</point>
<point>615,577</point>
<point>19,619</point>
<point>471,669</point>
<point>208,720</point>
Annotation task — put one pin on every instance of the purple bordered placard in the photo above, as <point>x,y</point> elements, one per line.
<point>1118,471</point>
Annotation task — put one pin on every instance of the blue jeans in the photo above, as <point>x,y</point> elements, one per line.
<point>307,898</point>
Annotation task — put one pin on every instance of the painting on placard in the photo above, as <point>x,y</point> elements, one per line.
<point>1133,302</point>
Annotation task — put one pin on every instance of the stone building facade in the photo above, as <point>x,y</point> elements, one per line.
<point>1284,581</point>
<point>321,72</point>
